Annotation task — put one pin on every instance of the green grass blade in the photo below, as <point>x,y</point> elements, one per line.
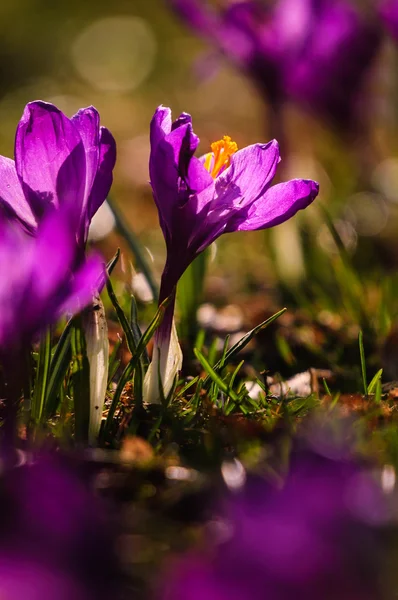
<point>135,328</point>
<point>233,376</point>
<point>80,381</point>
<point>327,389</point>
<point>114,362</point>
<point>374,381</point>
<point>236,348</point>
<point>113,262</point>
<point>363,362</point>
<point>60,363</point>
<point>42,374</point>
<point>215,377</point>
<point>132,365</point>
<point>189,295</point>
<point>186,387</point>
<point>378,392</point>
<point>121,317</point>
<point>134,246</point>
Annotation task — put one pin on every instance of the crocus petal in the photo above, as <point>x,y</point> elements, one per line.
<point>49,158</point>
<point>14,282</point>
<point>168,168</point>
<point>86,283</point>
<point>388,11</point>
<point>200,18</point>
<point>100,150</point>
<point>12,197</point>
<point>278,204</point>
<point>104,176</point>
<point>56,243</point>
<point>86,121</point>
<point>160,125</point>
<point>249,175</point>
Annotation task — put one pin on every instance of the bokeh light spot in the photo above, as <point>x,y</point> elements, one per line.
<point>115,54</point>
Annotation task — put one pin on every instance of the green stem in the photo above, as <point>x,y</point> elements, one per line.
<point>134,246</point>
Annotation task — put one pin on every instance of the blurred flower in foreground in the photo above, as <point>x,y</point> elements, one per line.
<point>389,13</point>
<point>315,52</point>
<point>198,200</point>
<point>58,161</point>
<point>40,278</point>
<point>314,538</point>
<point>54,539</point>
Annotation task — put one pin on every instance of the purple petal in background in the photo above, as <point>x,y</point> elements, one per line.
<point>388,10</point>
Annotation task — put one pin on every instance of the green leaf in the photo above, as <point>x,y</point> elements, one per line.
<point>134,246</point>
<point>378,392</point>
<point>113,262</point>
<point>42,374</point>
<point>80,381</point>
<point>135,328</point>
<point>236,348</point>
<point>186,387</point>
<point>59,365</point>
<point>189,295</point>
<point>215,377</point>
<point>132,365</point>
<point>363,362</point>
<point>327,389</point>
<point>114,362</point>
<point>374,381</point>
<point>233,377</point>
<point>121,317</point>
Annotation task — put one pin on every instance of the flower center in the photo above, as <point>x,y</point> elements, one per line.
<point>219,158</point>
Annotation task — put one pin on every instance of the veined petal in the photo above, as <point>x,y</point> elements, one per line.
<point>54,251</point>
<point>104,176</point>
<point>198,178</point>
<point>49,158</point>
<point>12,197</point>
<point>169,171</point>
<point>249,175</point>
<point>278,204</point>
<point>160,125</point>
<point>86,121</point>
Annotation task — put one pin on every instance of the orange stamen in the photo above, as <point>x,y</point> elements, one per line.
<point>220,157</point>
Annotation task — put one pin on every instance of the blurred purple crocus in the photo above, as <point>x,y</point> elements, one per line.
<point>388,10</point>
<point>41,278</point>
<point>199,199</point>
<point>314,538</point>
<point>55,542</point>
<point>314,52</point>
<point>58,161</point>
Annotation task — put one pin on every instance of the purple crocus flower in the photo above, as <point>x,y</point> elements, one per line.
<point>49,280</point>
<point>388,11</point>
<point>315,52</point>
<point>58,161</point>
<point>55,542</point>
<point>316,537</point>
<point>199,199</point>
